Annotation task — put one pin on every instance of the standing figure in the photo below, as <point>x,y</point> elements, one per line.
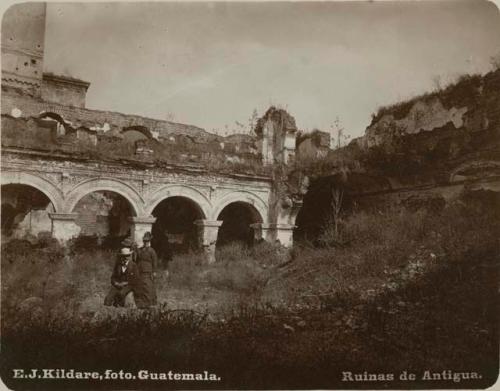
<point>145,294</point>
<point>123,280</point>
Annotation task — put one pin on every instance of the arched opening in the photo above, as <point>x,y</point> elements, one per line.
<point>174,230</point>
<point>53,121</point>
<point>25,211</point>
<point>104,214</point>
<point>331,197</point>
<point>325,200</point>
<point>132,134</point>
<point>237,218</point>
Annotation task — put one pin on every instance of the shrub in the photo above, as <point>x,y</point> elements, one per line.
<point>236,270</point>
<point>384,243</point>
<point>184,269</point>
<point>411,289</point>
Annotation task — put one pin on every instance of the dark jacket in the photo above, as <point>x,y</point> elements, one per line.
<point>130,276</point>
<point>147,261</point>
<point>145,292</point>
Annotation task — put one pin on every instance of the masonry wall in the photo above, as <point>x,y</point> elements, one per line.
<point>23,219</point>
<point>101,214</point>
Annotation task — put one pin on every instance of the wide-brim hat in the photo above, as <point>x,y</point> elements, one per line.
<point>147,236</point>
<point>127,242</point>
<point>125,251</point>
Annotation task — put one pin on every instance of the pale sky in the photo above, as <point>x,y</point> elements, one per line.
<point>211,64</point>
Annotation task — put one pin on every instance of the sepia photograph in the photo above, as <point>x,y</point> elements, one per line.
<point>250,195</point>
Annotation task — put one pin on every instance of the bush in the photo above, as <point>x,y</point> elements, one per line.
<point>236,270</point>
<point>410,289</point>
<point>383,243</point>
<point>184,270</point>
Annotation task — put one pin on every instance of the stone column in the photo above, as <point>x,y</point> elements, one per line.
<point>141,225</point>
<point>274,232</point>
<point>64,226</point>
<point>261,231</point>
<point>207,234</point>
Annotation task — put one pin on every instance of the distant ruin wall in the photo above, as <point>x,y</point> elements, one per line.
<point>445,137</point>
<point>467,108</point>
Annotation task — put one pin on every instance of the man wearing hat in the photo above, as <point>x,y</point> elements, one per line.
<point>147,261</point>
<point>123,280</point>
<point>128,242</point>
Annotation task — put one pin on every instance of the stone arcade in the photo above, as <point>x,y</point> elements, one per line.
<point>72,171</point>
<point>35,104</point>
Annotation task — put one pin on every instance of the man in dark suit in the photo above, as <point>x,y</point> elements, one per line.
<point>123,280</point>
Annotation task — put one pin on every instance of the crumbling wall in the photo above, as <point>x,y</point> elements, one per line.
<point>313,145</point>
<point>426,140</point>
<point>463,118</point>
<point>276,132</point>
<point>85,134</point>
<point>420,153</point>
<point>103,214</point>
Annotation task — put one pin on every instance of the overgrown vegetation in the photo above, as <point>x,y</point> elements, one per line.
<point>389,290</point>
<point>459,92</point>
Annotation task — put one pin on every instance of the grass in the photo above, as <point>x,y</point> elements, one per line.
<point>405,290</point>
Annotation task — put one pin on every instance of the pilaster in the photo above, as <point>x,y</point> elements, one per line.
<point>262,231</point>
<point>64,226</point>
<point>207,234</point>
<point>141,225</point>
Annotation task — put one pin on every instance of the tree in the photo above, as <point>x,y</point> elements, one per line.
<point>252,122</point>
<point>170,116</point>
<point>336,205</point>
<point>339,139</point>
<point>331,236</point>
<point>495,61</point>
<point>438,83</point>
<point>240,128</point>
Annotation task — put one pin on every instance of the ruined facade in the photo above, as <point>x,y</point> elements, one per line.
<point>313,145</point>
<point>103,172</point>
<point>422,153</point>
<point>107,173</point>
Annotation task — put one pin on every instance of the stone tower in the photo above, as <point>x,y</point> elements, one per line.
<point>23,48</point>
<point>23,41</point>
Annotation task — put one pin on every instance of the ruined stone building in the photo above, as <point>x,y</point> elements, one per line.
<point>69,171</point>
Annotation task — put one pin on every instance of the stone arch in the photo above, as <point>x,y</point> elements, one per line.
<point>52,115</point>
<point>191,193</point>
<point>471,169</point>
<point>139,128</point>
<point>103,184</point>
<point>62,126</point>
<point>243,196</point>
<point>44,185</point>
